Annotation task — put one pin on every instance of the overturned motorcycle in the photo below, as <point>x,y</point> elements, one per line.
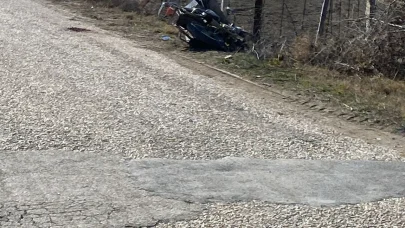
<point>202,28</point>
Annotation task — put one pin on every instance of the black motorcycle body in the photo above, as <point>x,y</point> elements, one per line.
<point>201,28</point>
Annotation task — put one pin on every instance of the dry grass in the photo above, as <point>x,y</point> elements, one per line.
<point>365,94</point>
<point>166,29</point>
<point>380,99</point>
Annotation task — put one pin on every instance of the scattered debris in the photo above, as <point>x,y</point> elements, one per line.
<point>166,38</point>
<point>76,29</point>
<point>96,17</point>
<point>402,129</point>
<point>227,59</point>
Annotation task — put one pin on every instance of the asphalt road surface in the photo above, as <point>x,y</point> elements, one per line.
<point>96,131</point>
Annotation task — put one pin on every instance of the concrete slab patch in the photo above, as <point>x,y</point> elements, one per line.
<point>277,181</point>
<point>52,188</point>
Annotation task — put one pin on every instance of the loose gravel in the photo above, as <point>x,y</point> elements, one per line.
<point>386,213</point>
<point>89,91</point>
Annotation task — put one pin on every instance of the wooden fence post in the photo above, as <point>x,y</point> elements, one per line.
<point>257,25</point>
<point>370,13</point>
<point>321,26</point>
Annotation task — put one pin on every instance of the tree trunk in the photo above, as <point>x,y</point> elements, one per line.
<point>321,26</point>
<point>257,26</point>
<point>370,13</point>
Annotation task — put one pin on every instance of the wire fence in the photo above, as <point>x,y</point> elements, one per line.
<point>286,19</point>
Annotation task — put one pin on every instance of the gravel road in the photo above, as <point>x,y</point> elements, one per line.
<point>97,93</point>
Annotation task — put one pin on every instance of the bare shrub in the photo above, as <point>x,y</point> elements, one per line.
<point>379,49</point>
<point>301,48</point>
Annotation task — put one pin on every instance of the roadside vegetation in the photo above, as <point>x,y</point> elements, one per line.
<point>362,73</point>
